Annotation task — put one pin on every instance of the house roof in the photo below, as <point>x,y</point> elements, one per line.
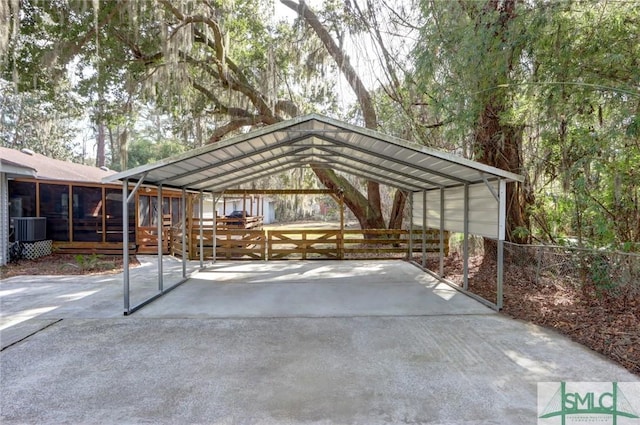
<point>319,141</point>
<point>45,168</point>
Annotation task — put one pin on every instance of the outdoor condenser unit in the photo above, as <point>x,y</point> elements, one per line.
<point>30,229</point>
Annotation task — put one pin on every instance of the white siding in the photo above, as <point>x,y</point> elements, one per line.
<point>483,210</point>
<point>4,219</point>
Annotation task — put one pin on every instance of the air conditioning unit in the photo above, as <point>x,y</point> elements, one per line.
<point>30,229</point>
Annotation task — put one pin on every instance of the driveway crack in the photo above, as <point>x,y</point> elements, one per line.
<point>31,334</point>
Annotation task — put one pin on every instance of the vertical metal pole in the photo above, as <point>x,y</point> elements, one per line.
<point>465,246</point>
<point>184,232</point>
<point>502,226</point>
<point>424,228</point>
<point>160,242</point>
<point>125,244</point>
<point>201,213</point>
<point>341,241</point>
<point>410,252</point>
<point>441,232</point>
<point>215,225</point>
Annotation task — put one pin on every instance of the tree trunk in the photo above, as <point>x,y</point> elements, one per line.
<point>369,215</point>
<point>355,201</point>
<point>100,156</point>
<point>500,145</point>
<point>497,143</point>
<point>123,139</point>
<point>397,211</point>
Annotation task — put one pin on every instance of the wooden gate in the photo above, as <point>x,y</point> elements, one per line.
<point>230,244</point>
<point>304,244</point>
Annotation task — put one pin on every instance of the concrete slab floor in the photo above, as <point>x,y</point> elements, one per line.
<point>374,364</point>
<point>312,289</point>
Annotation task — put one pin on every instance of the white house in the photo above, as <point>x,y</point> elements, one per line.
<point>8,169</point>
<point>253,205</point>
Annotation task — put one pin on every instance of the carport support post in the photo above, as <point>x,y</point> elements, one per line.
<point>214,232</point>
<point>341,240</point>
<point>184,232</point>
<point>125,244</point>
<point>441,232</point>
<point>159,224</point>
<point>465,248</point>
<point>410,252</point>
<point>424,229</point>
<point>201,213</point>
<point>502,225</point>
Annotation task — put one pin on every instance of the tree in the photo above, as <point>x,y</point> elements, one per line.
<point>31,120</point>
<point>548,90</point>
<point>201,59</point>
<point>472,53</point>
<point>585,84</point>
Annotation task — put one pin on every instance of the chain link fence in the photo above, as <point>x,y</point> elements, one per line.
<point>605,271</point>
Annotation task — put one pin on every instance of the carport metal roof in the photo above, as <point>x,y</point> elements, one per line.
<point>319,141</point>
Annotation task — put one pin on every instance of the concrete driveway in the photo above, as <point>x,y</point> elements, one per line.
<point>354,342</point>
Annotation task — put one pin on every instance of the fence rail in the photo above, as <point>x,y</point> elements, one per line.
<point>229,243</point>
<point>147,240</point>
<point>302,243</point>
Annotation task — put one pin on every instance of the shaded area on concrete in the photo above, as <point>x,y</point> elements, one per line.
<point>312,289</point>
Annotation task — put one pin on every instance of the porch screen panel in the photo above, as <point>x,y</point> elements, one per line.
<point>176,214</point>
<point>114,216</point>
<point>87,214</point>
<point>54,204</point>
<point>143,211</point>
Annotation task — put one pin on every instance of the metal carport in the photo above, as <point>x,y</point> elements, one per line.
<point>445,191</point>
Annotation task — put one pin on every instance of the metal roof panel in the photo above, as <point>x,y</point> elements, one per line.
<point>313,138</point>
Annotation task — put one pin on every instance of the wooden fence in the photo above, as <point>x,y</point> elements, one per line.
<point>389,243</point>
<point>231,244</point>
<point>305,244</point>
<point>147,240</point>
<point>253,222</point>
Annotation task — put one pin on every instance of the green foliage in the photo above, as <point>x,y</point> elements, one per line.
<point>144,151</point>
<point>88,262</point>
<point>562,75</point>
<point>567,74</point>
<point>31,120</point>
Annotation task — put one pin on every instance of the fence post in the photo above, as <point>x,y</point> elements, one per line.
<point>538,263</point>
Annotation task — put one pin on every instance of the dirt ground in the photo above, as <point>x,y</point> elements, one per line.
<point>608,323</point>
<point>66,264</point>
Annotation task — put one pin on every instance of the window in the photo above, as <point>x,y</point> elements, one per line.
<point>22,199</point>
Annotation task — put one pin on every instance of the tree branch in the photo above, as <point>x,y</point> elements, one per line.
<point>341,59</point>
<point>220,107</point>
<point>233,125</point>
